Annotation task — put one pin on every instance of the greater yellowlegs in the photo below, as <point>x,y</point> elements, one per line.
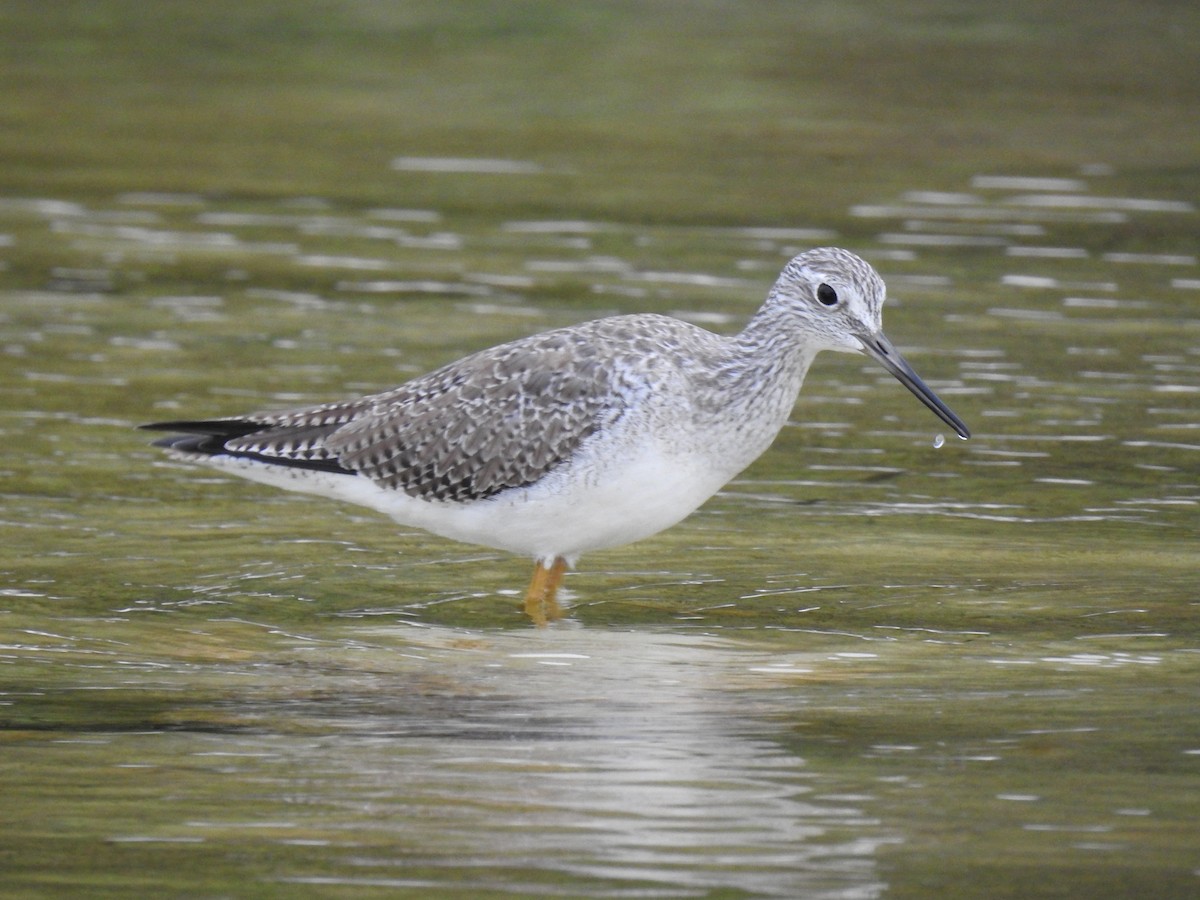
<point>576,439</point>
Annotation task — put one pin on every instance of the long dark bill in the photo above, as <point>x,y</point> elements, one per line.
<point>880,349</point>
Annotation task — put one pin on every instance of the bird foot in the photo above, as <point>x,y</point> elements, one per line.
<point>541,600</point>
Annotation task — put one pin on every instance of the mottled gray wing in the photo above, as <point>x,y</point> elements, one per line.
<point>498,419</point>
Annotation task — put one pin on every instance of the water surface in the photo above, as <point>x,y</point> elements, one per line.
<point>879,664</point>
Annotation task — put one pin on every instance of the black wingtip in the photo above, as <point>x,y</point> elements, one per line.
<point>210,438</point>
<point>205,437</point>
<point>214,427</point>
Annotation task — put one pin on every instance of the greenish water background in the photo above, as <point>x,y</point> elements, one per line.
<point>870,668</point>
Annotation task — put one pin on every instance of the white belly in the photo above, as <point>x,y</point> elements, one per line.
<point>606,500</point>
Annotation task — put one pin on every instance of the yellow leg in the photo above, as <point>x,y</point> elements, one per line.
<point>541,600</point>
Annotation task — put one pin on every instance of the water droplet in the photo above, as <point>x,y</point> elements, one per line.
<point>938,441</point>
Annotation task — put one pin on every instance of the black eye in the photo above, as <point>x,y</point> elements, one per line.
<point>827,295</point>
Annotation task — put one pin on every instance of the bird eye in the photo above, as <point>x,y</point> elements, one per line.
<point>826,295</point>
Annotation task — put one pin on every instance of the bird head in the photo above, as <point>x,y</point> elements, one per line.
<point>836,299</point>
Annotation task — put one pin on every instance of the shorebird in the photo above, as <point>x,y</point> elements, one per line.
<point>572,440</point>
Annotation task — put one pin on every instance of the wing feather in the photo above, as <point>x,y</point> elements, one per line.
<point>499,419</point>
<point>490,422</point>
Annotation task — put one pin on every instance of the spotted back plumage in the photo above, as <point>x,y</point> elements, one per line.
<point>482,425</point>
<point>491,421</point>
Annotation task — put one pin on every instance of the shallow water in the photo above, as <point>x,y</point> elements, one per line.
<point>871,667</point>
<point>881,663</point>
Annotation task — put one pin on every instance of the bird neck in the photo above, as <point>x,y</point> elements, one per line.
<point>770,338</point>
<point>760,371</point>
